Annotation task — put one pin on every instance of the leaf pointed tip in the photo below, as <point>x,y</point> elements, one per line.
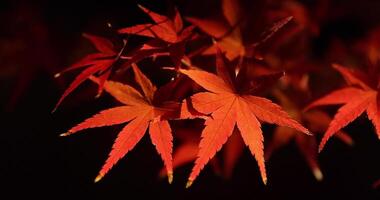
<point>189,183</point>
<point>307,132</point>
<point>318,174</point>
<point>65,134</point>
<point>170,177</point>
<point>265,181</point>
<point>55,109</point>
<point>98,178</point>
<point>289,18</point>
<point>320,148</point>
<point>98,95</point>
<point>143,8</point>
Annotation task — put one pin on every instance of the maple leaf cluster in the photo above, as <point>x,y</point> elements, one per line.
<point>244,87</point>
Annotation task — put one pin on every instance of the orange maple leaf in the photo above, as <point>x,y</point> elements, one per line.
<point>164,28</point>
<point>317,121</point>
<point>141,111</point>
<point>169,35</point>
<point>230,105</point>
<point>358,97</point>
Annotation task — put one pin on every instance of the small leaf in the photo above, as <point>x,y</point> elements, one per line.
<point>346,114</point>
<point>101,65</point>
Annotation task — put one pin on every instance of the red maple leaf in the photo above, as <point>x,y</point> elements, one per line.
<point>95,63</point>
<point>359,96</point>
<point>142,111</point>
<point>108,57</point>
<point>230,104</point>
<point>164,28</point>
<point>317,121</point>
<point>169,35</point>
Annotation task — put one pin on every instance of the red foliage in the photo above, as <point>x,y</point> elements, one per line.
<point>235,100</point>
<point>141,113</point>
<point>359,96</point>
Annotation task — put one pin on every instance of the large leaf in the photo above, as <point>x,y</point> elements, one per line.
<point>228,107</point>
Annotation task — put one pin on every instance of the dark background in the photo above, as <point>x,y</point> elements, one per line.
<point>39,38</point>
